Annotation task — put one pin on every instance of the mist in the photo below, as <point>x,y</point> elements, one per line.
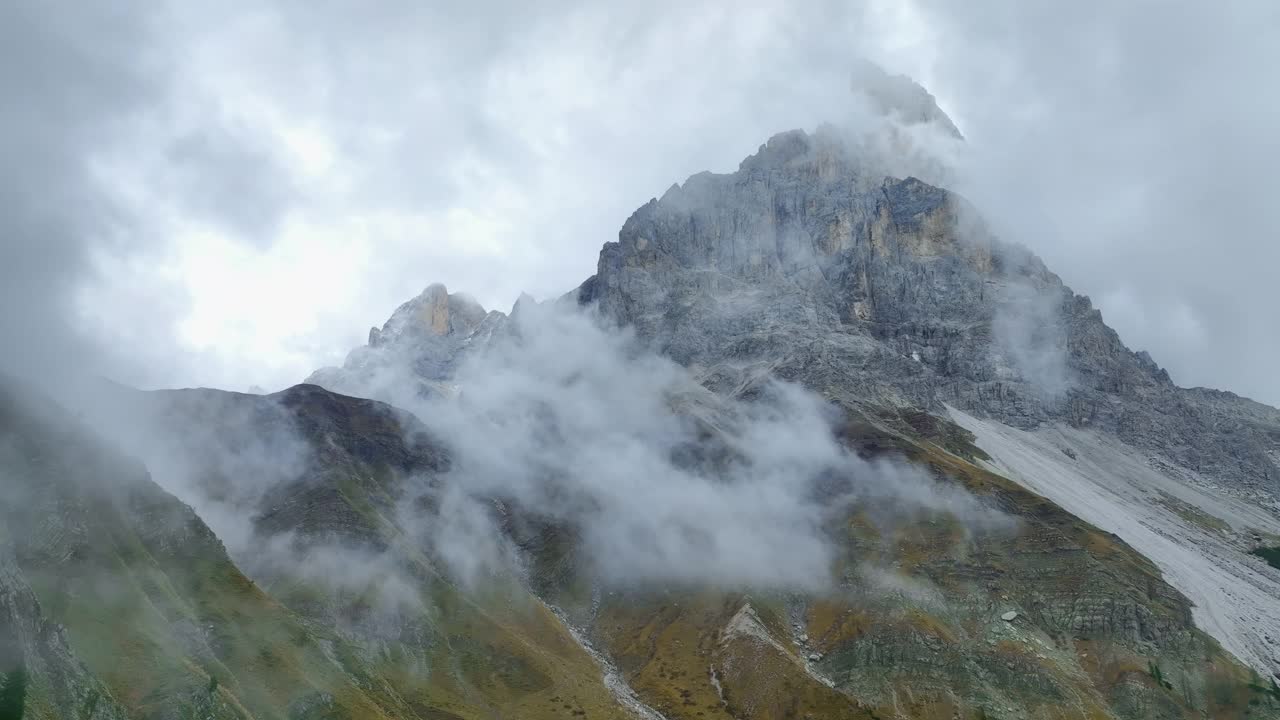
<point>222,454</point>
<point>1028,331</point>
<point>1133,148</point>
<point>226,194</point>
<point>559,420</point>
<point>661,480</point>
<point>160,156</point>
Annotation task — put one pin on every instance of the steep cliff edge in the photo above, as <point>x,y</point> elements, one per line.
<point>890,298</point>
<point>891,291</point>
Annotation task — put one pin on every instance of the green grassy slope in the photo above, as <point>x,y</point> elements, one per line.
<point>173,629</point>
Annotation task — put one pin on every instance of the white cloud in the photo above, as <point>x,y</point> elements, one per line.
<point>495,148</point>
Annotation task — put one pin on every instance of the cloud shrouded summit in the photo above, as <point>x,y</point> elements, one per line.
<point>325,162</point>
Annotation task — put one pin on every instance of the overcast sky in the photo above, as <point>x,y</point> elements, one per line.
<point>230,194</point>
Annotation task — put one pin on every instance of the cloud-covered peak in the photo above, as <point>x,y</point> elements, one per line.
<point>900,97</point>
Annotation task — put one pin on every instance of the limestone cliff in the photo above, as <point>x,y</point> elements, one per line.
<point>891,292</point>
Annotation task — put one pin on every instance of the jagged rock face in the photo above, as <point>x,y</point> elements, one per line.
<point>887,291</point>
<point>890,298</point>
<point>433,313</point>
<point>417,350</point>
<point>886,294</point>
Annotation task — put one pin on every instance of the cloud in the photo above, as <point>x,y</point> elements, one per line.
<point>229,180</point>
<point>69,86</point>
<point>1133,147</point>
<point>491,145</point>
<point>1030,339</point>
<point>496,146</point>
<point>221,453</point>
<point>107,153</point>
<point>660,480</point>
<point>555,423</point>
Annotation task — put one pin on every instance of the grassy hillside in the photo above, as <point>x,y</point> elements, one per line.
<point>168,626</point>
<point>915,627</point>
<point>173,629</point>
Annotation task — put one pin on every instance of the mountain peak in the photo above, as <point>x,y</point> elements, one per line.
<point>836,261</point>
<point>814,261</point>
<point>434,312</point>
<point>900,97</point>
<point>419,346</point>
<point>781,149</point>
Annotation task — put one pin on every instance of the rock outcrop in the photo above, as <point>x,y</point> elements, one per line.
<point>877,291</point>
<point>819,263</point>
<point>417,350</point>
<point>890,292</point>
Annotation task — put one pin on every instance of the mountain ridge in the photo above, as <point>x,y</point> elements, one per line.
<point>1117,370</point>
<point>812,442</point>
<point>889,297</point>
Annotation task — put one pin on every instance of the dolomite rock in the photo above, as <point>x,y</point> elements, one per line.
<point>839,261</point>
<point>420,346</point>
<point>885,294</point>
<point>808,263</point>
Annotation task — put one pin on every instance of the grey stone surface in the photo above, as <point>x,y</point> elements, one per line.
<point>890,292</point>
<point>419,347</point>
<point>810,264</point>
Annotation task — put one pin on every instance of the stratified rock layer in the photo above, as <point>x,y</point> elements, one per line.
<point>889,291</point>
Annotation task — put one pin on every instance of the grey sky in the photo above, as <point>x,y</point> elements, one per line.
<point>69,80</point>
<point>231,193</point>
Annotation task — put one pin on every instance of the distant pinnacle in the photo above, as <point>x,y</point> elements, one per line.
<point>435,311</point>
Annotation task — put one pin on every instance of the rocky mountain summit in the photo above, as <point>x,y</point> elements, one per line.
<point>878,291</point>
<point>891,291</point>
<point>890,298</point>
<point>420,346</point>
<point>811,443</point>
